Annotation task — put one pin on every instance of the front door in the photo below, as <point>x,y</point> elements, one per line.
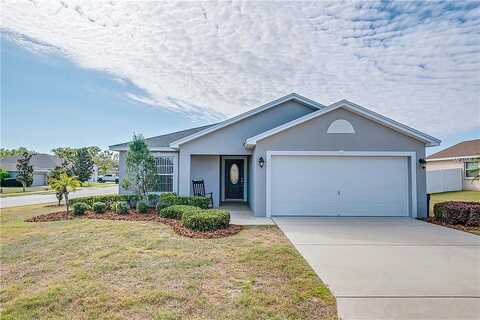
<point>234,181</point>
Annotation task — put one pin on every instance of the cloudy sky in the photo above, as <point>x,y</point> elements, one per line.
<point>93,73</point>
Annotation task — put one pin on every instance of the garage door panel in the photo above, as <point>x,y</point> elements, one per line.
<point>350,186</point>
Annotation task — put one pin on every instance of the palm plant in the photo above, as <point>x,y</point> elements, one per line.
<point>64,184</point>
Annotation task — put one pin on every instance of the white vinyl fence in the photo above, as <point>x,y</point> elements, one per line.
<point>444,180</point>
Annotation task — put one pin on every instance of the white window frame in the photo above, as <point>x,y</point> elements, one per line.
<point>465,169</point>
<point>175,169</point>
<point>411,155</point>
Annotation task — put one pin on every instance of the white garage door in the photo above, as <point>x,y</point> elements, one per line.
<point>310,185</point>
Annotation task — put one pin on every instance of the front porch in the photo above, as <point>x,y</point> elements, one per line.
<point>227,177</point>
<point>241,214</point>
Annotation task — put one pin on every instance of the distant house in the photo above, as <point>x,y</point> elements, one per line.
<point>462,156</point>
<point>42,164</point>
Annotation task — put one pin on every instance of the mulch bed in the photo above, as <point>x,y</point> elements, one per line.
<point>474,230</point>
<point>151,215</point>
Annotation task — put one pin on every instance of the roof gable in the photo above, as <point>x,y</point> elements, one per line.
<point>427,139</point>
<point>291,97</point>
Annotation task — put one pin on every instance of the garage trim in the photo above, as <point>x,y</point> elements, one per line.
<point>411,155</point>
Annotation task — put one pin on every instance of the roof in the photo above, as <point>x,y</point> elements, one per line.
<point>369,114</point>
<point>40,162</point>
<point>465,149</point>
<point>162,143</point>
<point>290,97</point>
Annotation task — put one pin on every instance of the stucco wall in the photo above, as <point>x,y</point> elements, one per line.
<point>230,140</point>
<point>312,136</point>
<point>207,168</point>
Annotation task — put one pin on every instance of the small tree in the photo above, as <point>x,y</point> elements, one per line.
<point>83,164</point>
<point>25,170</point>
<point>64,184</point>
<point>3,175</point>
<point>140,168</point>
<point>106,161</point>
<point>54,175</point>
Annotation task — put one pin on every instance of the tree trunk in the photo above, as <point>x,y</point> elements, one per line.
<point>66,200</point>
<point>23,186</point>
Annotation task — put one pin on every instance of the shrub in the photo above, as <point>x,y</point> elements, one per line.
<point>142,206</point>
<point>474,219</point>
<point>153,200</point>
<point>99,207</point>
<point>457,212</point>
<point>206,220</point>
<point>167,199</point>
<point>79,208</point>
<point>109,200</point>
<point>177,211</point>
<point>121,207</point>
<point>201,202</point>
<point>170,199</point>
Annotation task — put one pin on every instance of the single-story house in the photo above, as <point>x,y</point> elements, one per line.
<point>462,156</point>
<point>296,157</point>
<point>42,164</point>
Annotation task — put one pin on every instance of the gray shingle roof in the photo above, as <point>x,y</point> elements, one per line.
<point>163,141</point>
<point>40,162</point>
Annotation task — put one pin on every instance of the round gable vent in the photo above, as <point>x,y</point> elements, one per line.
<point>340,126</point>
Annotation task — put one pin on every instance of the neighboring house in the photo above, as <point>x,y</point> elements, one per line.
<point>462,156</point>
<point>296,157</point>
<point>42,164</point>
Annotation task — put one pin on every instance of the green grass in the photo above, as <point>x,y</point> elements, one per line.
<point>98,184</point>
<point>100,269</point>
<point>18,191</point>
<point>453,196</point>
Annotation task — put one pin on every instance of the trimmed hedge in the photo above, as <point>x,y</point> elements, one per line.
<point>177,211</point>
<point>206,220</point>
<point>458,212</point>
<point>171,199</point>
<point>99,207</point>
<point>79,208</point>
<point>121,207</point>
<point>109,200</point>
<point>142,206</point>
<point>167,199</point>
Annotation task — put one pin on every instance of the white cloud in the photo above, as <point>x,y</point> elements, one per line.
<point>418,63</point>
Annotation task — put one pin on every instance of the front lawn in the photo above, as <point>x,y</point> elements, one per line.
<point>453,196</point>
<point>18,191</point>
<point>89,184</point>
<point>102,269</point>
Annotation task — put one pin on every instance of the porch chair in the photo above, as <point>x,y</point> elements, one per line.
<point>199,190</point>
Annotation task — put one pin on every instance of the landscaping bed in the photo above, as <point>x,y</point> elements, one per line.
<point>150,215</point>
<point>474,230</point>
<point>460,215</point>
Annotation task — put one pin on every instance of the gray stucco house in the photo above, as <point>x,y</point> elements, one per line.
<point>42,165</point>
<point>294,156</point>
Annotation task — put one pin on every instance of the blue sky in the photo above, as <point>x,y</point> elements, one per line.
<point>93,73</point>
<point>48,101</point>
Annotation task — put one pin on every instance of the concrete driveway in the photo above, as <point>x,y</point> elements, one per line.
<point>391,268</point>
<point>47,198</point>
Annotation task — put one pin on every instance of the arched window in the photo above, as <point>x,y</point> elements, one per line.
<point>340,126</point>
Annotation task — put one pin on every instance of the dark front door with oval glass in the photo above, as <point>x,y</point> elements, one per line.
<point>234,173</point>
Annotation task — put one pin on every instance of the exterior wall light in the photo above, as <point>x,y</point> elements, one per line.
<point>423,163</point>
<point>261,162</point>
